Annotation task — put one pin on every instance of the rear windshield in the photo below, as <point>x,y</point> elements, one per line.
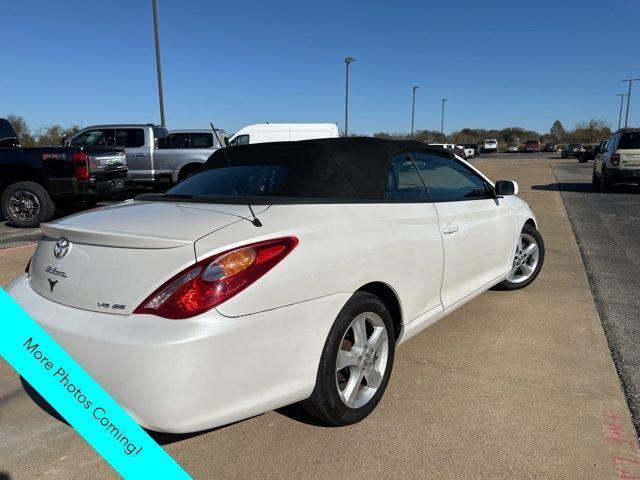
<point>630,140</point>
<point>253,180</point>
<point>532,141</point>
<point>294,172</point>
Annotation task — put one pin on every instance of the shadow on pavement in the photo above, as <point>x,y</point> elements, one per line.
<point>5,476</point>
<point>583,187</point>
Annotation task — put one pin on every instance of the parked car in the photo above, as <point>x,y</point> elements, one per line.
<point>570,150</point>
<point>228,313</point>
<point>475,147</point>
<point>531,146</point>
<point>588,152</point>
<point>618,161</point>
<point>283,132</point>
<point>490,145</point>
<point>34,181</point>
<point>151,158</point>
<point>468,152</point>
<point>550,147</point>
<point>512,148</point>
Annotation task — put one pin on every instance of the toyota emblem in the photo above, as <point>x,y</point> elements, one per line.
<point>61,248</point>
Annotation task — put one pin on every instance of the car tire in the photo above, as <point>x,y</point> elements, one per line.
<point>26,204</point>
<point>346,396</point>
<point>520,277</point>
<point>595,179</point>
<point>605,183</point>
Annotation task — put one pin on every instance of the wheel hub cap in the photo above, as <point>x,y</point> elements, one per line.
<point>525,259</point>
<point>362,359</point>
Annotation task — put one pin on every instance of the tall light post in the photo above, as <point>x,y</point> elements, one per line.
<point>630,80</point>
<point>442,117</point>
<point>621,95</point>
<point>154,5</point>
<point>348,61</point>
<point>413,108</point>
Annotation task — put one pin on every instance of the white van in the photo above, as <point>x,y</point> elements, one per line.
<point>283,132</point>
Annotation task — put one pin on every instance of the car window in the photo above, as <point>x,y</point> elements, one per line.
<point>240,140</point>
<point>404,182</point>
<point>179,140</point>
<point>630,140</point>
<point>252,180</point>
<point>201,140</point>
<point>130,137</point>
<point>99,137</point>
<point>449,180</point>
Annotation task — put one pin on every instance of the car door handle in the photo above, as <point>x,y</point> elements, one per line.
<point>449,229</point>
<point>141,154</point>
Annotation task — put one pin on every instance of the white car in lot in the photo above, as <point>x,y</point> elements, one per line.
<point>618,160</point>
<point>283,132</point>
<point>490,145</point>
<point>193,313</point>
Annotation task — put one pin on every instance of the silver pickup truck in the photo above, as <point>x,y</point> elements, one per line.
<point>154,155</point>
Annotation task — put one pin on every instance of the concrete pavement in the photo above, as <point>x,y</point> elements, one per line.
<point>512,385</point>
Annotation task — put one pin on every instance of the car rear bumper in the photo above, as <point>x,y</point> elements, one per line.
<point>104,186</point>
<point>624,174</point>
<point>187,375</point>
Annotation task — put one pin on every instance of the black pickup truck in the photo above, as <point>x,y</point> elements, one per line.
<point>34,181</point>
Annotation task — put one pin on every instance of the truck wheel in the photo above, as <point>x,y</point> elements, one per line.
<point>26,204</point>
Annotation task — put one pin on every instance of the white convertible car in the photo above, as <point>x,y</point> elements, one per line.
<point>192,313</point>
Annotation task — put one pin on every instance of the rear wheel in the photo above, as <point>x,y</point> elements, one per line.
<point>595,179</point>
<point>605,183</point>
<point>356,362</point>
<point>26,204</point>
<point>527,261</point>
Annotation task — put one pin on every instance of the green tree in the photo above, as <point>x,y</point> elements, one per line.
<point>22,130</point>
<point>557,130</point>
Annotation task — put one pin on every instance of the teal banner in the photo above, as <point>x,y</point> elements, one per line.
<point>79,399</point>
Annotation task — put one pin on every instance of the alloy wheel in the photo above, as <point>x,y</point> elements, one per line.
<point>24,205</point>
<point>525,261</point>
<point>362,359</point>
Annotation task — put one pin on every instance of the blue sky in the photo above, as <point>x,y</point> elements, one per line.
<point>500,63</point>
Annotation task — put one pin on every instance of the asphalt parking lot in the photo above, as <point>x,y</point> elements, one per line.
<point>511,385</point>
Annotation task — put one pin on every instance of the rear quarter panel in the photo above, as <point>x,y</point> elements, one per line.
<point>342,247</point>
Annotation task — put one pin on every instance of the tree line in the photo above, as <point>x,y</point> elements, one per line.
<point>42,137</point>
<point>593,131</point>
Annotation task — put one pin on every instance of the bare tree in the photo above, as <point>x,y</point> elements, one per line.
<point>22,130</point>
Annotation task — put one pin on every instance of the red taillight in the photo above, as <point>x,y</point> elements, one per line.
<point>81,162</point>
<point>214,280</point>
<point>615,159</point>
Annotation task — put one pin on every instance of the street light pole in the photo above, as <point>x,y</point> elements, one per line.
<point>413,108</point>
<point>630,80</point>
<point>158,68</point>
<point>348,61</point>
<point>442,117</point>
<point>621,95</point>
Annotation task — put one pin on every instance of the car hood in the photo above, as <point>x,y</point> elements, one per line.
<point>116,256</point>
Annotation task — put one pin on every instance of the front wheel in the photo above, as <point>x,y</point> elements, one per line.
<point>356,362</point>
<point>527,261</point>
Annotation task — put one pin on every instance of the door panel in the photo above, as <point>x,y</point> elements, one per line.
<point>477,230</point>
<point>137,144</point>
<point>478,241</point>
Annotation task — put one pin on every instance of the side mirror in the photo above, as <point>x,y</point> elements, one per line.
<point>506,187</point>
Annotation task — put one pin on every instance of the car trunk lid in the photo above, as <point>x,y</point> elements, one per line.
<point>110,259</point>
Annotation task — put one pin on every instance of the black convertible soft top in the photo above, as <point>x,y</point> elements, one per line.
<point>353,168</point>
